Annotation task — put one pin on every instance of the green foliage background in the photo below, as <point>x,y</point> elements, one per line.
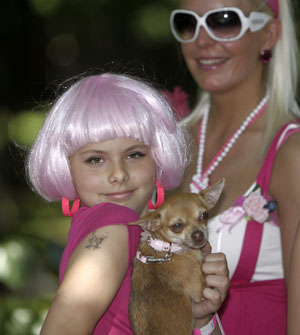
<point>44,42</point>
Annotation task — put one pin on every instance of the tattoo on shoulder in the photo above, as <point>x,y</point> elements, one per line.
<point>95,241</point>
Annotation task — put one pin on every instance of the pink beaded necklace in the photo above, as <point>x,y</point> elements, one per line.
<point>201,178</point>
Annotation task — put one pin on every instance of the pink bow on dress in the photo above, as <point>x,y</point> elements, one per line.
<point>231,217</point>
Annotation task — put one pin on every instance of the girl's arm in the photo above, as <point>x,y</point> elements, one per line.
<point>93,276</point>
<point>293,288</point>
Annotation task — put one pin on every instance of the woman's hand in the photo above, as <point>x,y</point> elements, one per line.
<point>217,281</point>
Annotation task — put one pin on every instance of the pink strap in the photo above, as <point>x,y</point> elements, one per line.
<point>254,230</point>
<point>273,4</point>
<point>248,258</point>
<point>264,176</point>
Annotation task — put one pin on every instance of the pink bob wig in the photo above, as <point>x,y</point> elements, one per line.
<point>99,108</point>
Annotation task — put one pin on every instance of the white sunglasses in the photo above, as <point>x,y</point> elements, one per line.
<point>222,24</point>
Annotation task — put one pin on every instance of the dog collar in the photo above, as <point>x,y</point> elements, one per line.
<point>152,259</point>
<point>160,245</point>
<point>157,245</point>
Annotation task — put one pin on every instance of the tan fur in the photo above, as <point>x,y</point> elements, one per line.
<point>162,294</point>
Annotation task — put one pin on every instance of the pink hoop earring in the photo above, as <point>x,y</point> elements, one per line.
<point>158,196</point>
<point>266,56</point>
<point>65,206</point>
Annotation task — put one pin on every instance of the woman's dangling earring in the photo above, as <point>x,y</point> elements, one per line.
<point>266,56</point>
<point>65,206</point>
<point>158,197</point>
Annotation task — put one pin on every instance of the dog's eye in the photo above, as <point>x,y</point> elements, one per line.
<point>203,216</point>
<point>177,227</point>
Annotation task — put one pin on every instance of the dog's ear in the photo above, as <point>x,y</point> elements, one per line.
<point>211,194</point>
<point>149,222</point>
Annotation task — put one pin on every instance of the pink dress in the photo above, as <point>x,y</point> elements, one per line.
<point>115,321</point>
<point>249,235</point>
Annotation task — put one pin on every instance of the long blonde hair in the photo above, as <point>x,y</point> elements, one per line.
<point>281,75</point>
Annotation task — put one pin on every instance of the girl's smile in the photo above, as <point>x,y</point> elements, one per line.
<point>120,171</point>
<point>120,196</point>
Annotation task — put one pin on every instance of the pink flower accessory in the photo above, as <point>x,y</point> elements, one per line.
<point>178,99</point>
<point>252,207</point>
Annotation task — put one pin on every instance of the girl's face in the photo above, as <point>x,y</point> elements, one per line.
<point>220,66</point>
<point>119,171</point>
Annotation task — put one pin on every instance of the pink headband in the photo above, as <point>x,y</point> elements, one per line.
<point>274,6</point>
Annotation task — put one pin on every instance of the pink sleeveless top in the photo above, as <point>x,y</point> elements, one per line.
<point>115,321</point>
<point>249,235</point>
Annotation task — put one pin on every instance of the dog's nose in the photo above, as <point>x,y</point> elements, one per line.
<point>198,236</point>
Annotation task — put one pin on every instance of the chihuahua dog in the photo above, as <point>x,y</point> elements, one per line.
<point>167,277</point>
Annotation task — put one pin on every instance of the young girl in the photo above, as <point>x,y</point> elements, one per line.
<point>107,141</point>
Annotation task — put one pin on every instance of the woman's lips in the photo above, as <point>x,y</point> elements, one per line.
<point>211,63</point>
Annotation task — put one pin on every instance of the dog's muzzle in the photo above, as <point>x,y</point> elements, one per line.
<point>199,238</point>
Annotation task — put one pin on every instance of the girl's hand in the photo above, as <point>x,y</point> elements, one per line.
<point>217,283</point>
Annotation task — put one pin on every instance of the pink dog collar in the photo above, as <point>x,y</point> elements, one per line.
<point>160,245</point>
<point>157,245</point>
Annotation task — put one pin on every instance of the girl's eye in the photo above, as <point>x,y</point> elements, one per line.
<point>136,154</point>
<point>95,160</point>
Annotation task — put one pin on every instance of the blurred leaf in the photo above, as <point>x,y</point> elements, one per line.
<point>25,126</point>
<point>16,259</point>
<point>45,7</point>
<point>152,22</point>
<point>22,316</point>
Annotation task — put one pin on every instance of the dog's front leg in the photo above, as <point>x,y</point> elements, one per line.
<point>195,285</point>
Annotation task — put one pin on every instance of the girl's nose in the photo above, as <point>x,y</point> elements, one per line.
<point>118,173</point>
<point>203,39</point>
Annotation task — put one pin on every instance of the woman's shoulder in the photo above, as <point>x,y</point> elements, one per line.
<point>288,144</point>
<point>285,143</point>
<point>286,166</point>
